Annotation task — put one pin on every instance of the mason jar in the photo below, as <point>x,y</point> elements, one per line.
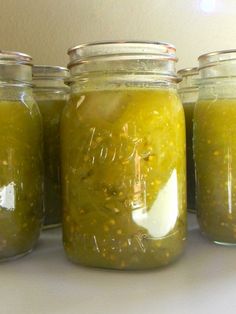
<point>215,146</point>
<point>123,157</point>
<point>188,91</point>
<point>51,94</point>
<point>21,165</point>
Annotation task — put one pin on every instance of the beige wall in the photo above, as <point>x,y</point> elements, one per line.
<point>46,28</point>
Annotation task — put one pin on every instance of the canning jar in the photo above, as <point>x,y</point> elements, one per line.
<point>123,157</point>
<point>51,93</point>
<point>215,146</point>
<point>188,91</point>
<point>21,165</point>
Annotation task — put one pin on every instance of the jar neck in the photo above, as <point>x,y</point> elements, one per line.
<point>107,81</point>
<point>122,64</point>
<point>51,93</point>
<point>189,82</point>
<point>214,88</point>
<point>216,66</point>
<point>14,93</point>
<point>54,84</point>
<point>188,95</point>
<point>52,88</point>
<point>15,74</point>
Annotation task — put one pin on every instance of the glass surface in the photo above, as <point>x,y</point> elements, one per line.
<point>21,175</point>
<point>51,94</point>
<point>123,175</point>
<point>188,91</point>
<point>51,110</point>
<point>189,110</point>
<point>215,155</point>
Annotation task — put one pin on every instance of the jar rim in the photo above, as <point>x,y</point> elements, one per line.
<point>125,50</point>
<point>216,57</point>
<point>15,57</point>
<point>110,42</point>
<point>188,71</point>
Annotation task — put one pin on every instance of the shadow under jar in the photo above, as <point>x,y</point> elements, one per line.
<point>123,157</point>
<point>51,94</point>
<point>215,146</point>
<point>21,165</point>
<point>188,91</point>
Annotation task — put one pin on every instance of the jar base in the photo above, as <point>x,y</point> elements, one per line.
<point>152,254</point>
<point>51,226</point>
<point>224,243</point>
<point>217,242</point>
<point>15,257</point>
<point>125,269</point>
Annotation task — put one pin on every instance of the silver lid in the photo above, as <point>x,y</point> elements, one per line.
<point>14,57</point>
<point>126,50</point>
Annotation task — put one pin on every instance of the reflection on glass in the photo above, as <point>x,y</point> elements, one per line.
<point>7,196</point>
<point>161,218</point>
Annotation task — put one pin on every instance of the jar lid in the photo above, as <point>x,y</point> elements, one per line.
<point>118,50</point>
<point>50,72</point>
<point>14,57</point>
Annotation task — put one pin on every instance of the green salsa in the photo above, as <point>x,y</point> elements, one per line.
<point>21,175</point>
<point>51,113</point>
<point>123,176</point>
<point>215,156</point>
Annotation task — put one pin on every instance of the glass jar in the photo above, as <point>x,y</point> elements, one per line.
<point>123,157</point>
<point>51,94</point>
<point>215,146</point>
<point>21,165</point>
<point>188,91</point>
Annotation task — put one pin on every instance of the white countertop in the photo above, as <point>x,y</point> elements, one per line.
<point>44,282</point>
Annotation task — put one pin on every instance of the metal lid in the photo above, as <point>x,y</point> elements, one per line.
<point>118,50</point>
<point>14,57</point>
